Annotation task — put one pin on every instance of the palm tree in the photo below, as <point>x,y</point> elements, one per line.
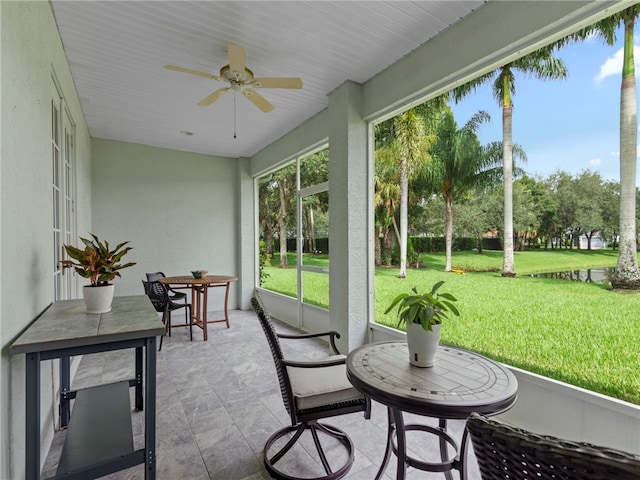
<point>387,195</point>
<point>460,163</point>
<point>268,219</point>
<point>408,148</point>
<point>457,161</point>
<point>627,274</point>
<point>285,178</point>
<point>542,65</point>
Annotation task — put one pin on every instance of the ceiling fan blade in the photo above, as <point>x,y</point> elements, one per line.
<point>213,97</point>
<point>237,58</point>
<point>258,100</point>
<point>277,82</point>
<point>192,72</point>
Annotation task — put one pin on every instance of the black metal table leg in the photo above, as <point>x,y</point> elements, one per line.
<point>442,423</point>
<point>65,386</point>
<point>139,377</point>
<point>462,464</point>
<point>401,441</point>
<point>387,451</point>
<point>150,409</point>
<point>32,413</point>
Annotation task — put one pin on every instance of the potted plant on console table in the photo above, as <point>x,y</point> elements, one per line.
<point>100,265</point>
<point>423,316</point>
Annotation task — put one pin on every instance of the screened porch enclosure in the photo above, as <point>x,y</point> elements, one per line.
<point>184,211</point>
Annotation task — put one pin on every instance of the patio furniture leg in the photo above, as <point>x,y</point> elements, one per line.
<point>442,423</point>
<point>387,451</point>
<point>401,441</point>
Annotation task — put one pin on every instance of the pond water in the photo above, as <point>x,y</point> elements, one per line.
<point>589,275</point>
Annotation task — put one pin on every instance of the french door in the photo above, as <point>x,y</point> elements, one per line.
<point>63,189</point>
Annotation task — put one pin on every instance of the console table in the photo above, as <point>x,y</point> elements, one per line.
<point>99,438</point>
<point>460,382</point>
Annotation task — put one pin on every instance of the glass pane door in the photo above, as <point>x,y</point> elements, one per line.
<point>313,251</point>
<point>63,191</point>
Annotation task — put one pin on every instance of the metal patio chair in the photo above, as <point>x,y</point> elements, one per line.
<point>174,295</point>
<point>161,301</point>
<point>311,391</point>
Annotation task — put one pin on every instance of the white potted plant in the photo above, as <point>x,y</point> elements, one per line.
<point>100,265</point>
<point>423,316</point>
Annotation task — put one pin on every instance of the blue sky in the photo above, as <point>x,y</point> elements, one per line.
<point>571,124</point>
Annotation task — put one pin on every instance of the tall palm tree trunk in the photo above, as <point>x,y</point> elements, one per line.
<point>282,225</point>
<point>404,209</point>
<point>540,64</point>
<point>627,274</point>
<point>448,230</point>
<point>508,264</point>
<point>377,239</point>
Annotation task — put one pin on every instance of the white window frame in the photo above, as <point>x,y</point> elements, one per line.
<point>63,191</point>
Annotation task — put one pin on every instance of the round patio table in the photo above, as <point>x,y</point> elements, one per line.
<point>460,382</point>
<point>199,293</point>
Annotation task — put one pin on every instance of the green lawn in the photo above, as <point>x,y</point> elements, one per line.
<point>533,261</point>
<point>582,334</point>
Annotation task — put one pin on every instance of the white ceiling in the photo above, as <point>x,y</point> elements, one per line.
<point>117,50</point>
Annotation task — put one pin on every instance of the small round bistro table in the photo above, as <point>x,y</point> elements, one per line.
<point>199,293</point>
<point>460,382</point>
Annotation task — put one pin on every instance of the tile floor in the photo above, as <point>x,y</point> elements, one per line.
<point>218,402</point>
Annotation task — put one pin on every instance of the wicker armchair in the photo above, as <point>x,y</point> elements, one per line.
<point>311,391</point>
<point>505,452</point>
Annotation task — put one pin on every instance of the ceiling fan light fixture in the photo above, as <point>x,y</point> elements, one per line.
<point>241,79</point>
<point>232,76</point>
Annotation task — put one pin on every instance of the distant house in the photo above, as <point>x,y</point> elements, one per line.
<point>597,242</point>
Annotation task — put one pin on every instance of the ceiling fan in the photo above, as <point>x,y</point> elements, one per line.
<point>241,79</point>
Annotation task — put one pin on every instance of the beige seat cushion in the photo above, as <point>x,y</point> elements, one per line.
<point>314,387</point>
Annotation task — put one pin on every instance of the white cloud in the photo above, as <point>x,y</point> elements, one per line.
<point>613,65</point>
<point>594,162</point>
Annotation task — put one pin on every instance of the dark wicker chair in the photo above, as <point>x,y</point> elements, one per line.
<point>311,391</point>
<point>506,452</point>
<point>161,301</point>
<point>174,295</point>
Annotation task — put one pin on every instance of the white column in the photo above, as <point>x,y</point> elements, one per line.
<point>247,243</point>
<point>348,217</point>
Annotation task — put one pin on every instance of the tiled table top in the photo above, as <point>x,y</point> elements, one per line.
<point>459,382</point>
<point>66,324</point>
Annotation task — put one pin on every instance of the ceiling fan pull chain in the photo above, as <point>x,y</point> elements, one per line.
<point>234,114</point>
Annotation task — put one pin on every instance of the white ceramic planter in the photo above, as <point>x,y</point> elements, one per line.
<point>98,299</point>
<point>422,344</point>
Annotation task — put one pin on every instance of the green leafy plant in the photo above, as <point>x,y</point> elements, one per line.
<point>427,309</point>
<point>265,261</point>
<point>97,261</point>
